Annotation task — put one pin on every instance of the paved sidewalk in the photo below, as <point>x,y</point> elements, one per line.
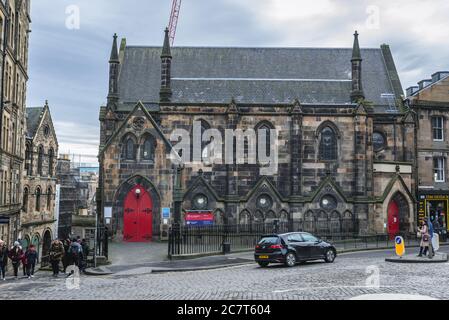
<point>125,253</point>
<point>205,263</point>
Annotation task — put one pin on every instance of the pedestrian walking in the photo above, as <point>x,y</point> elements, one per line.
<point>3,259</point>
<point>75,251</point>
<point>56,254</point>
<point>66,258</point>
<point>31,257</point>
<point>24,262</point>
<point>431,231</point>
<point>86,249</point>
<point>16,256</point>
<point>425,238</point>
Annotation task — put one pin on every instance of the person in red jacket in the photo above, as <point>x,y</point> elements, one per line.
<point>16,256</point>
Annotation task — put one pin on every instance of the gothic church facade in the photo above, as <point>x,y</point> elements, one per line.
<point>345,138</point>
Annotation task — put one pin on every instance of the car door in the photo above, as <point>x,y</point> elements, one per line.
<point>301,247</point>
<point>313,244</point>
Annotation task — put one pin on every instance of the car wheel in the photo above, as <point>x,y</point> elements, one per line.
<point>329,257</point>
<point>263,264</point>
<point>290,259</point>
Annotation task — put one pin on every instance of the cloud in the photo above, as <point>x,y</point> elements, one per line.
<point>70,67</point>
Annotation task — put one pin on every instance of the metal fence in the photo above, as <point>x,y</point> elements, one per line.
<point>189,240</point>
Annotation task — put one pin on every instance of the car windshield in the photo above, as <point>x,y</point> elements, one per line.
<point>308,237</point>
<point>269,240</point>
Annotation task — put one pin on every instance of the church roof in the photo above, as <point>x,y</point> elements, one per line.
<point>34,116</point>
<point>258,75</point>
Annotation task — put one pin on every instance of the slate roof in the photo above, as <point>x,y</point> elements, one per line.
<point>34,116</point>
<point>256,75</point>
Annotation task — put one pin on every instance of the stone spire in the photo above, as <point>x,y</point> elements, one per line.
<point>356,61</point>
<point>165,93</point>
<point>114,64</point>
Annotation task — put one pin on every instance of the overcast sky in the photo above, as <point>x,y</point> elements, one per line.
<point>69,65</point>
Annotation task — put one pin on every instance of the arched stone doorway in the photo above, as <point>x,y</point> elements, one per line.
<point>398,215</point>
<point>138,216</point>
<point>124,192</point>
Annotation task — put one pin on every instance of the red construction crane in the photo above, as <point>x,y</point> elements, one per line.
<point>176,7</point>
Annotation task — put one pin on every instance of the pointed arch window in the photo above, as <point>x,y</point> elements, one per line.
<point>147,149</point>
<point>40,160</point>
<point>25,199</point>
<point>205,145</point>
<point>51,155</point>
<point>49,195</point>
<point>264,129</point>
<point>38,199</point>
<point>328,144</point>
<point>28,160</point>
<point>129,148</point>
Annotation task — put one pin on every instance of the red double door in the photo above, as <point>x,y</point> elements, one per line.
<point>393,219</point>
<point>138,216</point>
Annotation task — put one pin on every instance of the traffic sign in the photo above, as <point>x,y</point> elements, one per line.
<point>400,246</point>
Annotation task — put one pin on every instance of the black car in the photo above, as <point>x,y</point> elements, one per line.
<point>292,248</point>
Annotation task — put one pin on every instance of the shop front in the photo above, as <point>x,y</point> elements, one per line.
<point>435,206</point>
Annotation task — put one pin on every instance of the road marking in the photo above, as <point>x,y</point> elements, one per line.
<point>335,287</point>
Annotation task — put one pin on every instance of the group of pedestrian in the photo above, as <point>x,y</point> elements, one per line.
<point>69,252</point>
<point>28,259</point>
<point>425,231</point>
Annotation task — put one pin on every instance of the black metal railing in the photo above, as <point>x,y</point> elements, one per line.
<point>190,240</point>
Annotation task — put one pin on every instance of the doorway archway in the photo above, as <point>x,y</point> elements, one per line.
<point>138,215</point>
<point>398,215</point>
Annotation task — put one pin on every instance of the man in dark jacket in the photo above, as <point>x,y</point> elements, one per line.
<point>86,249</point>
<point>66,259</point>
<point>3,259</point>
<point>31,257</point>
<point>16,256</point>
<point>56,254</point>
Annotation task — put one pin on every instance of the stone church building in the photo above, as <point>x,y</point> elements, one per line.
<point>345,138</point>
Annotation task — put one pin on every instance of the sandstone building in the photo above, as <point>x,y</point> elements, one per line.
<point>345,137</point>
<point>14,30</point>
<point>37,220</point>
<point>430,101</point>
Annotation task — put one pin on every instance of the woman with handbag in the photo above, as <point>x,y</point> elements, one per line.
<point>425,238</point>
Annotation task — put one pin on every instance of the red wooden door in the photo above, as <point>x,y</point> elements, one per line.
<point>393,219</point>
<point>138,216</point>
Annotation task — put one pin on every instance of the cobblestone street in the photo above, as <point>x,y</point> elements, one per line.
<point>345,279</point>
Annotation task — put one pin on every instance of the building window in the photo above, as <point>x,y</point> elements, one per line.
<point>148,149</point>
<point>28,162</point>
<point>264,202</point>
<point>38,199</point>
<point>25,200</point>
<point>46,131</point>
<point>437,128</point>
<point>379,141</point>
<point>200,202</point>
<point>129,147</point>
<point>49,194</point>
<point>50,162</point>
<point>438,169</point>
<point>328,202</point>
<point>328,144</point>
<point>264,129</point>
<point>40,160</point>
